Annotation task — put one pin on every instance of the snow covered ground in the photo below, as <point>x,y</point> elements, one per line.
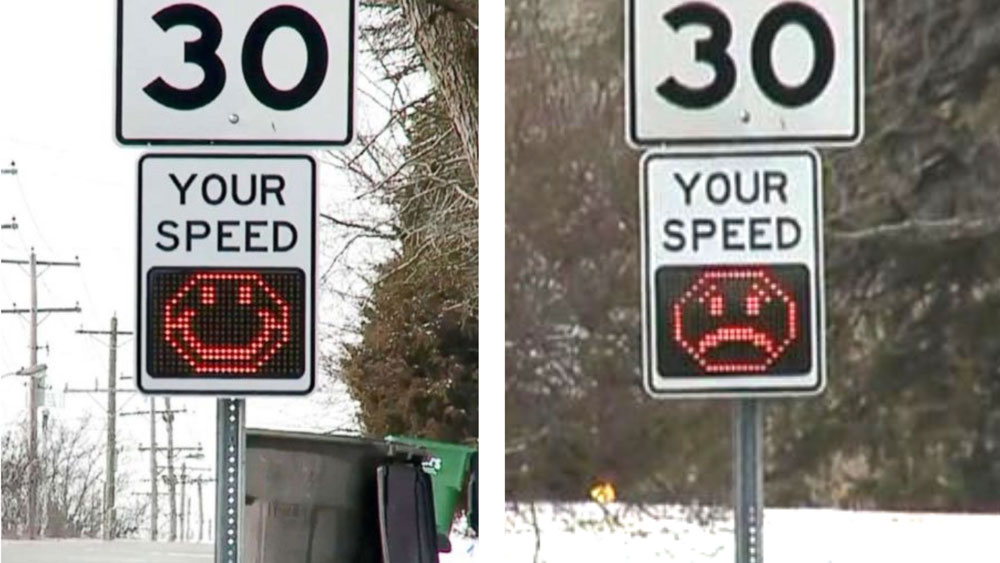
<point>463,544</point>
<point>463,550</point>
<point>585,532</point>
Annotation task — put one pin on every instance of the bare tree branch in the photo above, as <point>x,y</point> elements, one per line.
<point>934,230</point>
<point>373,231</point>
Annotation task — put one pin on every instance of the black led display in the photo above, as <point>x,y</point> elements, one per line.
<point>211,322</point>
<point>733,320</point>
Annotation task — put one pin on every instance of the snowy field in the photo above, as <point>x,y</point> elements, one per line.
<point>134,551</point>
<point>619,533</point>
<point>463,550</point>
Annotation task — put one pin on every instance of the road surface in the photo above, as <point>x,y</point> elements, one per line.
<point>96,551</point>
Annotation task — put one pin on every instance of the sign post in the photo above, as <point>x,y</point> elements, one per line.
<point>227,294</point>
<point>230,460</point>
<point>733,294</point>
<point>227,242</point>
<point>732,269</point>
<point>748,472</point>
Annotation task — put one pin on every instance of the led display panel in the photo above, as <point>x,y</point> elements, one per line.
<point>733,320</point>
<point>226,323</point>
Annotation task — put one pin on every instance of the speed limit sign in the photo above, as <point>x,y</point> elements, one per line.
<point>739,71</point>
<point>235,72</point>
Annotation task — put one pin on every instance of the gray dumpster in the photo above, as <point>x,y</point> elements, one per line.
<point>314,498</point>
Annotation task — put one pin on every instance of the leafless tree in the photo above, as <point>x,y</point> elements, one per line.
<point>70,483</point>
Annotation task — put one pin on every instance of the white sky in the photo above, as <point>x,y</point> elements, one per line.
<point>74,195</point>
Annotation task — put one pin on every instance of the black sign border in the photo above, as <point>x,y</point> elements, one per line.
<point>731,392</point>
<point>632,124</point>
<point>311,285</point>
<point>348,139</point>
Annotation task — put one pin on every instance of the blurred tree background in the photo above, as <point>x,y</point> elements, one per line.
<point>910,419</point>
<point>413,360</point>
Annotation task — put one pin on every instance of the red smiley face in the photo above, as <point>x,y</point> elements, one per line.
<point>735,320</point>
<point>226,322</point>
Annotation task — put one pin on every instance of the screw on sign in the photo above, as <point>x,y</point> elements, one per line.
<point>734,320</point>
<point>219,323</point>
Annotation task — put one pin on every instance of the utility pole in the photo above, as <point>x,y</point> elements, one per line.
<point>187,512</point>
<point>198,482</point>
<point>154,470</point>
<point>201,511</point>
<point>111,453</point>
<point>111,447</point>
<point>33,263</point>
<point>171,478</point>
<point>183,499</point>
<point>168,417</point>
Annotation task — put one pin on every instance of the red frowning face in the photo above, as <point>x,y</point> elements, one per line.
<point>226,322</point>
<point>735,320</point>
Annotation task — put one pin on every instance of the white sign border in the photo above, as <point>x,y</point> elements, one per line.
<point>631,100</point>
<point>735,392</point>
<point>313,284</point>
<point>348,138</point>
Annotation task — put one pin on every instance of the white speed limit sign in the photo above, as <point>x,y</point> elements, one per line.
<point>738,71</point>
<point>235,72</point>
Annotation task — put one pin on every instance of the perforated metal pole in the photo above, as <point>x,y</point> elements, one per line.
<point>748,483</point>
<point>230,450</point>
<point>154,474</point>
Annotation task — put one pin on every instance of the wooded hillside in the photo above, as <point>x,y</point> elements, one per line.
<point>911,415</point>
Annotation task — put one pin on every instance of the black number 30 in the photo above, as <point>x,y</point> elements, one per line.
<point>713,51</point>
<point>202,52</point>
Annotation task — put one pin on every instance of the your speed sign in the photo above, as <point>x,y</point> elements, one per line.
<point>737,71</point>
<point>235,72</point>
<point>732,274</point>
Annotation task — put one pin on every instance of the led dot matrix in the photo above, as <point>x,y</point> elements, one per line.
<point>226,322</point>
<point>733,320</point>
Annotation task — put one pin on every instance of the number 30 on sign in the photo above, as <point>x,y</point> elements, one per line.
<point>722,71</point>
<point>226,72</point>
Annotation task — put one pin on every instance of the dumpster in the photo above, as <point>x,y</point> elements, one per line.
<point>448,468</point>
<point>315,498</point>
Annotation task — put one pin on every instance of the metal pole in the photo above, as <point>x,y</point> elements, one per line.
<point>33,407</point>
<point>153,473</point>
<point>748,486</point>
<point>229,482</point>
<point>111,455</point>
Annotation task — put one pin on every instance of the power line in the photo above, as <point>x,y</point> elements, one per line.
<point>27,207</point>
